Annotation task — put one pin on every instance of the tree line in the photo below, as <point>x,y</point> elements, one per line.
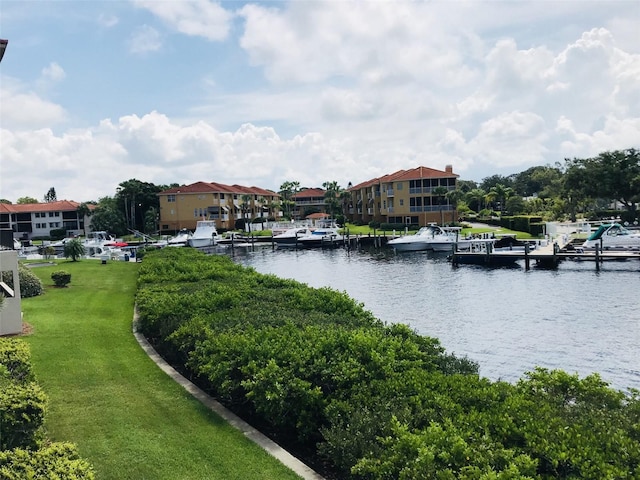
<point>579,187</point>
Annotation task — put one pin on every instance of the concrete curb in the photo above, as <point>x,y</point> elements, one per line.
<point>254,435</point>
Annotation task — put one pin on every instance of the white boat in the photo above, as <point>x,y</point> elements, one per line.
<point>432,237</point>
<point>613,236</point>
<point>205,235</point>
<point>290,237</point>
<point>180,239</point>
<point>322,237</point>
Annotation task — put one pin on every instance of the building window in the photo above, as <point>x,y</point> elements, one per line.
<point>399,186</point>
<point>171,198</point>
<point>402,202</point>
<point>222,196</point>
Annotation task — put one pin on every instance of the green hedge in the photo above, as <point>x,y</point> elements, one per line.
<point>320,374</point>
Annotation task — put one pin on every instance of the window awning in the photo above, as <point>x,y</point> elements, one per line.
<point>226,209</point>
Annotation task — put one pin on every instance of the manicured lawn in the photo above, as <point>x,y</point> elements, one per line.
<point>127,417</point>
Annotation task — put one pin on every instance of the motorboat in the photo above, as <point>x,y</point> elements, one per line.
<point>180,239</point>
<point>432,237</point>
<point>613,236</point>
<point>205,234</point>
<point>291,237</point>
<point>324,237</point>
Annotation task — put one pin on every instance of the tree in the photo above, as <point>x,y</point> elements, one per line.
<point>494,180</point>
<point>331,197</point>
<point>454,197</point>
<point>611,175</point>
<point>287,191</point>
<point>440,193</point>
<point>502,193</point>
<point>108,217</point>
<point>245,206</point>
<point>74,249</point>
<point>50,196</point>
<point>135,198</point>
<point>26,200</point>
<point>4,200</point>
<point>474,198</point>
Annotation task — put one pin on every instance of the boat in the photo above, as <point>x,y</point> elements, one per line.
<point>291,237</point>
<point>613,236</point>
<point>205,234</point>
<point>511,243</point>
<point>180,239</point>
<point>324,237</point>
<point>432,237</point>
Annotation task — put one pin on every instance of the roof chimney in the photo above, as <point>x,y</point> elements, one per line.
<point>448,168</point>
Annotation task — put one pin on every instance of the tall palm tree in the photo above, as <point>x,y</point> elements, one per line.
<point>331,195</point>
<point>245,206</point>
<point>476,196</point>
<point>440,193</point>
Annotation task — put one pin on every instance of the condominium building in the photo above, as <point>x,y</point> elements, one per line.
<point>36,220</point>
<point>182,207</point>
<point>408,197</point>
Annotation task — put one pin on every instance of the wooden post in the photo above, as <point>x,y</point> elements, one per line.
<point>526,256</point>
<point>597,258</point>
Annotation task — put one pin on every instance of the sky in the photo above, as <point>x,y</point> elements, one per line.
<point>94,93</point>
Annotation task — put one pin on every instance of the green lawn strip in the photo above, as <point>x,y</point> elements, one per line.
<point>127,417</point>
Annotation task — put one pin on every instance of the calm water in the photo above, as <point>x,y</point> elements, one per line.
<point>507,319</point>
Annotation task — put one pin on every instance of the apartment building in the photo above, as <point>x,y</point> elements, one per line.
<point>408,197</point>
<point>181,207</point>
<point>36,220</point>
<point>307,201</point>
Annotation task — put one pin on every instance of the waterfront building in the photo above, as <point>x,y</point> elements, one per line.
<point>36,220</point>
<point>407,197</point>
<point>181,207</point>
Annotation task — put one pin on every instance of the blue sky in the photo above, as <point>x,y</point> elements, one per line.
<point>93,93</point>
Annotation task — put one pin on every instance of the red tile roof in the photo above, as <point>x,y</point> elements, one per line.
<point>57,206</point>
<point>403,175</point>
<point>309,192</point>
<point>214,187</point>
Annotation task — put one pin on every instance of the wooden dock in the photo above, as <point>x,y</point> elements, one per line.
<point>548,256</point>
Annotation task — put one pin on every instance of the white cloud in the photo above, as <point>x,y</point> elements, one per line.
<point>23,109</point>
<point>195,17</point>
<point>108,21</point>
<point>54,72</point>
<point>145,39</point>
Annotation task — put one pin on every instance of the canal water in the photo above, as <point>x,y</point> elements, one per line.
<point>509,320</point>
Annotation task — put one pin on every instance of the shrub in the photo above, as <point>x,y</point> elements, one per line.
<point>16,358</point>
<point>56,460</point>
<point>61,278</point>
<point>30,284</point>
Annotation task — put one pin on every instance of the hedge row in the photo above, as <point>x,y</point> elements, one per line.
<point>314,369</point>
<point>24,451</point>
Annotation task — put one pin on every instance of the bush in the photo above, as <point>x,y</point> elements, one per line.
<point>56,460</point>
<point>61,278</point>
<point>30,284</point>
<point>16,358</point>
<point>57,233</point>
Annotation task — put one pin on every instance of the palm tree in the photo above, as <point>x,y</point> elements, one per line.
<point>331,195</point>
<point>454,197</point>
<point>476,196</point>
<point>440,193</point>
<point>74,249</point>
<point>245,206</point>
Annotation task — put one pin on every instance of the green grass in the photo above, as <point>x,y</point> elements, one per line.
<point>128,418</point>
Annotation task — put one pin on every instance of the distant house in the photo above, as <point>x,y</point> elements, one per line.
<point>404,197</point>
<point>36,220</point>
<point>181,207</point>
